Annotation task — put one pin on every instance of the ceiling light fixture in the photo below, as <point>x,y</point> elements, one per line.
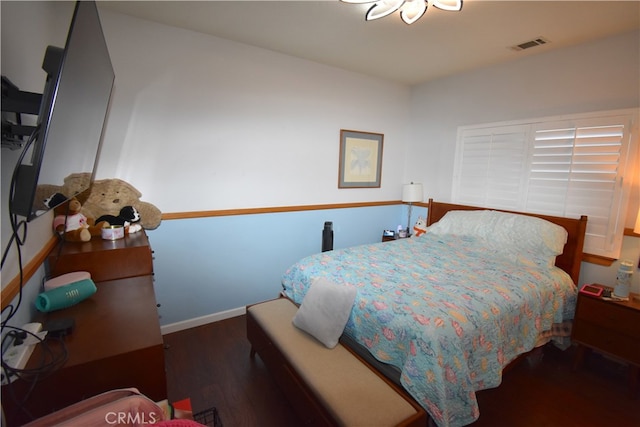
<point>410,10</point>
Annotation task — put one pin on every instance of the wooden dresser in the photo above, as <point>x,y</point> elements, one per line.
<point>611,327</point>
<point>104,259</point>
<point>116,341</point>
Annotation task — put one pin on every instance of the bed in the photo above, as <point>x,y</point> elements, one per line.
<point>447,311</point>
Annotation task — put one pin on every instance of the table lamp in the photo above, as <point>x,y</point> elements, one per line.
<point>411,193</point>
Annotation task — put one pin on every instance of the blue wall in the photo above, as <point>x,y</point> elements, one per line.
<point>215,264</point>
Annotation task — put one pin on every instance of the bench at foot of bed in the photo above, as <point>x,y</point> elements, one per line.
<point>325,386</point>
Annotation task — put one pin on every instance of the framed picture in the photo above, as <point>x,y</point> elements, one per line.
<point>360,164</point>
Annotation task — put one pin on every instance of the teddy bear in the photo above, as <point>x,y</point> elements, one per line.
<point>69,222</point>
<point>420,227</point>
<point>109,196</point>
<point>106,197</point>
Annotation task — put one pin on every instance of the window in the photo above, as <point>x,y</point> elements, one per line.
<point>564,166</point>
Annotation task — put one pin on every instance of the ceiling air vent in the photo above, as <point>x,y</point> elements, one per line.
<point>531,43</point>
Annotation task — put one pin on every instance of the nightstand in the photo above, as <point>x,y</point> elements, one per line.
<point>392,238</point>
<point>610,327</point>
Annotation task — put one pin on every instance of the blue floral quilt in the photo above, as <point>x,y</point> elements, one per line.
<point>444,310</point>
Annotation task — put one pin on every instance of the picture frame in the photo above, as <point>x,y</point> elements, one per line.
<point>360,163</point>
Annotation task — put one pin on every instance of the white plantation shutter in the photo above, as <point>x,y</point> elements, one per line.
<point>493,161</point>
<point>575,170</point>
<point>569,167</point>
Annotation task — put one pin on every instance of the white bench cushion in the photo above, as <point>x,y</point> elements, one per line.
<point>354,394</point>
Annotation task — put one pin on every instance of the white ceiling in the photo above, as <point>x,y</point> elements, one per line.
<point>440,43</point>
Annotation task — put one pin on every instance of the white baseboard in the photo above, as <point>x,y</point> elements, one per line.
<point>202,320</point>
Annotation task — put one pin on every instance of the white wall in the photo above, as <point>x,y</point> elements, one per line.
<point>27,29</point>
<point>603,75</point>
<point>201,123</point>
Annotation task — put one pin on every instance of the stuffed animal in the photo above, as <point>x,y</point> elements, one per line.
<point>106,197</point>
<point>109,196</point>
<point>70,223</point>
<point>54,200</point>
<point>420,227</point>
<point>73,186</point>
<point>128,218</point>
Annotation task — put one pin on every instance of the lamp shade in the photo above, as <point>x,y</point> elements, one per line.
<point>636,229</point>
<point>412,193</point>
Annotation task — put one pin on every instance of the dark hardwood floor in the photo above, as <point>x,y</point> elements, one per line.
<point>211,365</point>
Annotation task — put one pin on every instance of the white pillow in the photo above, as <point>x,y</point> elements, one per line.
<point>531,238</point>
<point>522,239</point>
<point>325,310</point>
<point>462,223</point>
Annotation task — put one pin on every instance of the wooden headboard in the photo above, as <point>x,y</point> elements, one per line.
<point>570,259</point>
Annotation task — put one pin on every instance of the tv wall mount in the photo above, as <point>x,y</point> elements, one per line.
<point>16,102</point>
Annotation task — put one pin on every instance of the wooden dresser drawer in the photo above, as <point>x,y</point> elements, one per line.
<point>104,259</point>
<point>612,327</point>
<point>608,341</point>
<point>609,316</point>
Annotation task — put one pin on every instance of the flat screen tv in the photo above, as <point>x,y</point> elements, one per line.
<point>72,113</point>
